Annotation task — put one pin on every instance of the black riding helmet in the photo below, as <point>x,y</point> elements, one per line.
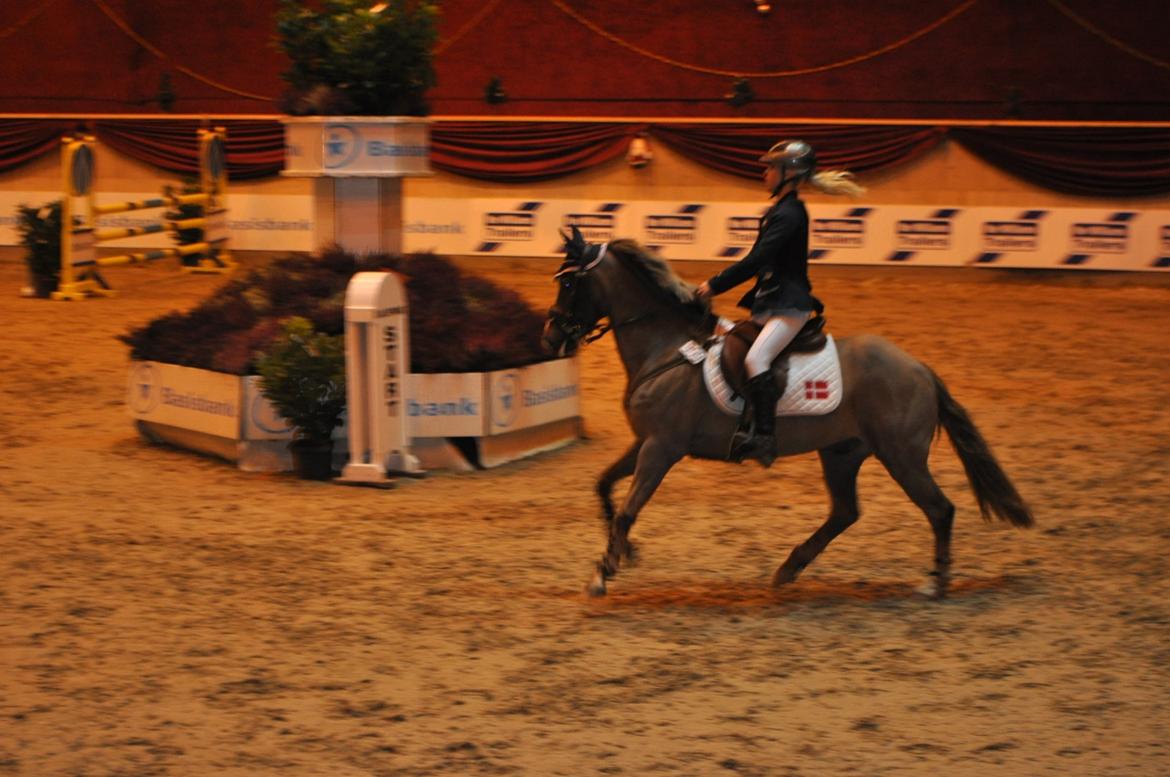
<point>795,159</point>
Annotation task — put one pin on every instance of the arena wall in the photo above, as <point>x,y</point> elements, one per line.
<point>276,213</point>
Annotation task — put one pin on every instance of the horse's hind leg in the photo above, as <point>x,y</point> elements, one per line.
<point>840,464</point>
<point>654,460</point>
<point>909,468</point>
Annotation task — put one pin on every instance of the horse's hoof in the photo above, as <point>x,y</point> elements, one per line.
<point>596,586</point>
<point>784,575</point>
<point>934,589</point>
<point>631,555</point>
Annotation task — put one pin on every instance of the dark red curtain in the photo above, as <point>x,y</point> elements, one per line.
<point>1090,161</point>
<point>736,148</point>
<point>255,149</point>
<point>517,152</point>
<point>23,140</point>
<point>1093,161</point>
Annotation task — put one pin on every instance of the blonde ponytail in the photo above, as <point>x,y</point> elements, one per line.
<point>837,182</point>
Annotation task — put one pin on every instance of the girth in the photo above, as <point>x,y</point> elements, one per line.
<point>738,341</point>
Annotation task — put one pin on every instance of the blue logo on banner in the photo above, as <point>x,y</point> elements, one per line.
<point>144,394</point>
<point>342,144</point>
<point>1106,237</point>
<point>595,227</point>
<point>266,418</point>
<point>505,405</point>
<point>509,225</point>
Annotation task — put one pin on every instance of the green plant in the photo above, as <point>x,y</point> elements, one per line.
<point>357,57</point>
<point>40,234</point>
<point>303,375</point>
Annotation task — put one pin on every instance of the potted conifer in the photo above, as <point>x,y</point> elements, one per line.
<point>303,375</point>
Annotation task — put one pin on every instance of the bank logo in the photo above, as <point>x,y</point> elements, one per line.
<point>506,402</point>
<point>342,145</point>
<point>144,394</point>
<point>674,228</point>
<point>265,417</point>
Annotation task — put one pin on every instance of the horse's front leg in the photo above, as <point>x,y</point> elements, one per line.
<point>623,467</point>
<point>654,460</point>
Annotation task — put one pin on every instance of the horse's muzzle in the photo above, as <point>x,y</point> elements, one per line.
<point>554,341</point>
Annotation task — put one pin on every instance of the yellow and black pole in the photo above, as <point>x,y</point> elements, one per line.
<point>77,240</point>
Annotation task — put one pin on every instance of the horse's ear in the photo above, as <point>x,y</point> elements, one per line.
<point>577,236</point>
<point>564,237</point>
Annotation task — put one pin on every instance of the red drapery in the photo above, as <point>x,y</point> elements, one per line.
<point>736,148</point>
<point>1091,161</point>
<point>23,140</point>
<point>516,152</point>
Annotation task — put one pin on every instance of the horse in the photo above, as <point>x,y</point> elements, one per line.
<point>892,407</point>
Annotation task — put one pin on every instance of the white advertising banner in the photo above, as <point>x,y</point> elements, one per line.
<point>199,400</point>
<point>840,233</point>
<point>1069,238</point>
<point>448,404</point>
<point>533,395</point>
<point>359,146</point>
<point>281,222</point>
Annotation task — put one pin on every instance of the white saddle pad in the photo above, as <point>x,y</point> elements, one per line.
<point>814,382</point>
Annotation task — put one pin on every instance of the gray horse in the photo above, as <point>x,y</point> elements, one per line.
<point>892,407</point>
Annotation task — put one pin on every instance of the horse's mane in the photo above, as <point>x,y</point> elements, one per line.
<point>654,269</point>
<point>657,274</point>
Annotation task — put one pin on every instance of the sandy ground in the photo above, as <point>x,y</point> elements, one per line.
<point>166,614</point>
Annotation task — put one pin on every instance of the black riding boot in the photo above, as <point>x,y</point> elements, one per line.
<point>759,441</point>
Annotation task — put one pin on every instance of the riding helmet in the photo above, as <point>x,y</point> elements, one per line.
<point>792,156</point>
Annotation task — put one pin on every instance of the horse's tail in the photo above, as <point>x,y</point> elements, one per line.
<point>993,490</point>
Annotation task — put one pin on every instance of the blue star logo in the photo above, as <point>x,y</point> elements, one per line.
<point>507,387</point>
<point>342,145</point>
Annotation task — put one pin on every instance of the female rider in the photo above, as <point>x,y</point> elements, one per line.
<point>781,300</point>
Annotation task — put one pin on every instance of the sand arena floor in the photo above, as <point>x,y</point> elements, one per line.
<point>167,614</point>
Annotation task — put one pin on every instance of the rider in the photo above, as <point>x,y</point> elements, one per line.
<point>781,301</point>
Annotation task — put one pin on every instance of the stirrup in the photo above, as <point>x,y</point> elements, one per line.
<point>748,445</point>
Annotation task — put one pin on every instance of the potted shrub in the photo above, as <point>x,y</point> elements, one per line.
<point>303,375</point>
<point>357,57</point>
<point>40,234</point>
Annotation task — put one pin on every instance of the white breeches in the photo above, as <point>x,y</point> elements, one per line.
<point>777,333</point>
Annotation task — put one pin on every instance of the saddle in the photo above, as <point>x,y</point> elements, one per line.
<point>810,339</point>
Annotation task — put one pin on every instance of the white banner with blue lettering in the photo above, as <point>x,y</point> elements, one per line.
<point>1081,238</point>
<point>841,232</point>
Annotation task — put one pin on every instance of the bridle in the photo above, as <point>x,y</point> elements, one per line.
<point>572,276</point>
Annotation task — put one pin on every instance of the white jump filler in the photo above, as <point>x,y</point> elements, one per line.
<point>377,356</point>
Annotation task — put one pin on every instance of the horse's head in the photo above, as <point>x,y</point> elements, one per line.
<point>576,311</point>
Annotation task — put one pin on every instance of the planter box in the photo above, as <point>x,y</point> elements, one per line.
<point>457,421</point>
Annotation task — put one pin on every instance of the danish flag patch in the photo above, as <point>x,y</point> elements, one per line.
<point>816,389</point>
